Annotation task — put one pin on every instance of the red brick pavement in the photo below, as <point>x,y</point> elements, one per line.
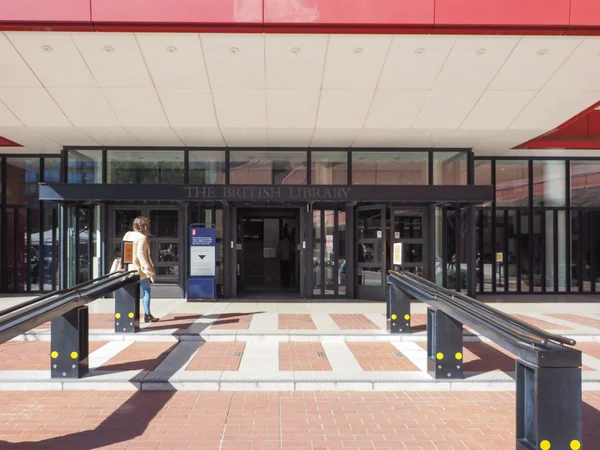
<point>97,321</point>
<point>30,355</point>
<point>139,356</point>
<point>353,322</point>
<point>181,321</point>
<point>379,356</point>
<point>302,356</point>
<point>576,318</point>
<point>218,356</point>
<point>296,322</point>
<point>242,420</point>
<point>237,321</point>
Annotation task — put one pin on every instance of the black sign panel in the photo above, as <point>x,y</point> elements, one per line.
<point>264,193</point>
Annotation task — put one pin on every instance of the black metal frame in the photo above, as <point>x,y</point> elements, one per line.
<point>548,374</point>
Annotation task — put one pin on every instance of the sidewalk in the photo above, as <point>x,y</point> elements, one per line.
<point>279,346</point>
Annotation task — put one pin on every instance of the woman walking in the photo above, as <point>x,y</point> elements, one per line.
<point>142,261</point>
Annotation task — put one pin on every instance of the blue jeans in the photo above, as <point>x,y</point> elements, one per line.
<point>145,286</point>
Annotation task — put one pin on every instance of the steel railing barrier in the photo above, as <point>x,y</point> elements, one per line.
<point>548,369</point>
<point>69,319</point>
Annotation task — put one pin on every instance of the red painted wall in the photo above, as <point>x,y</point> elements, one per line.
<point>358,16</point>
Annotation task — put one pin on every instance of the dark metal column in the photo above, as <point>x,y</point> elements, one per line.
<point>350,246</point>
<point>127,309</point>
<point>69,344</point>
<point>549,407</point>
<point>398,310</point>
<point>444,345</point>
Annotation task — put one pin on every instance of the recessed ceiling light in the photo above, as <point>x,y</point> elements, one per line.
<point>542,52</point>
<point>358,51</point>
<point>295,50</point>
<point>420,51</point>
<point>46,48</point>
<point>234,50</point>
<point>172,49</point>
<point>480,51</point>
<point>108,49</point>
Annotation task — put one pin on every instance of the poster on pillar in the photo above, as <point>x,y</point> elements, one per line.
<point>203,264</point>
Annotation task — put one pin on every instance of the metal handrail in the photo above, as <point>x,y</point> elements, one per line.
<point>513,329</point>
<point>21,321</point>
<point>517,322</point>
<point>53,294</point>
<point>522,339</point>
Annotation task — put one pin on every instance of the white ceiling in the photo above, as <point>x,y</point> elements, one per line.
<point>126,89</point>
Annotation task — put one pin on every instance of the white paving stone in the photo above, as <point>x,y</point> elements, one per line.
<point>260,356</point>
<point>265,322</point>
<point>324,322</point>
<point>106,353</point>
<point>414,353</point>
<point>340,357</point>
<point>378,319</point>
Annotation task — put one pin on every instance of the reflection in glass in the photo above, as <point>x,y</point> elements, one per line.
<point>164,223</point>
<point>549,186</point>
<point>413,253</point>
<point>450,168</point>
<point>124,221</point>
<point>390,168</point>
<point>168,252</point>
<point>483,172</point>
<point>22,177</point>
<point>145,167</point>
<point>369,223</point>
<point>407,225</point>
<point>366,252</point>
<point>167,271</point>
<point>52,170</point>
<point>585,183</point>
<point>267,167</point>
<point>561,242</point>
<point>512,183</point>
<point>84,166</point>
<point>317,260</point>
<point>207,167</point>
<point>49,247</point>
<point>330,257</point>
<point>342,253</point>
<point>369,276</point>
<point>329,168</point>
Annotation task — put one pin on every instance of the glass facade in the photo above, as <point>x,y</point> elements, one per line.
<point>390,167</point>
<point>537,236</point>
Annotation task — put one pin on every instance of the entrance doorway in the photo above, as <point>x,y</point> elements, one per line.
<point>268,252</point>
<point>166,243</point>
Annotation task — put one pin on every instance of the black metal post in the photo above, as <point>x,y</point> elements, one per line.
<point>444,345</point>
<point>127,308</point>
<point>398,311</point>
<point>549,407</point>
<point>471,247</point>
<point>69,344</point>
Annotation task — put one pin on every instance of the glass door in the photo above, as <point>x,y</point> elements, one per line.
<point>166,238</point>
<point>370,252</point>
<point>409,230</point>
<point>329,252</point>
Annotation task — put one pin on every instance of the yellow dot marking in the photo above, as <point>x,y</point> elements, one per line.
<point>575,445</point>
<point>54,355</point>
<point>394,316</point>
<point>440,355</point>
<point>458,355</point>
<point>118,315</point>
<point>130,315</point>
<point>74,355</point>
<point>545,445</point>
<point>406,316</point>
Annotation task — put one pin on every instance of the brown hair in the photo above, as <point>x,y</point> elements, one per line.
<point>142,225</point>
